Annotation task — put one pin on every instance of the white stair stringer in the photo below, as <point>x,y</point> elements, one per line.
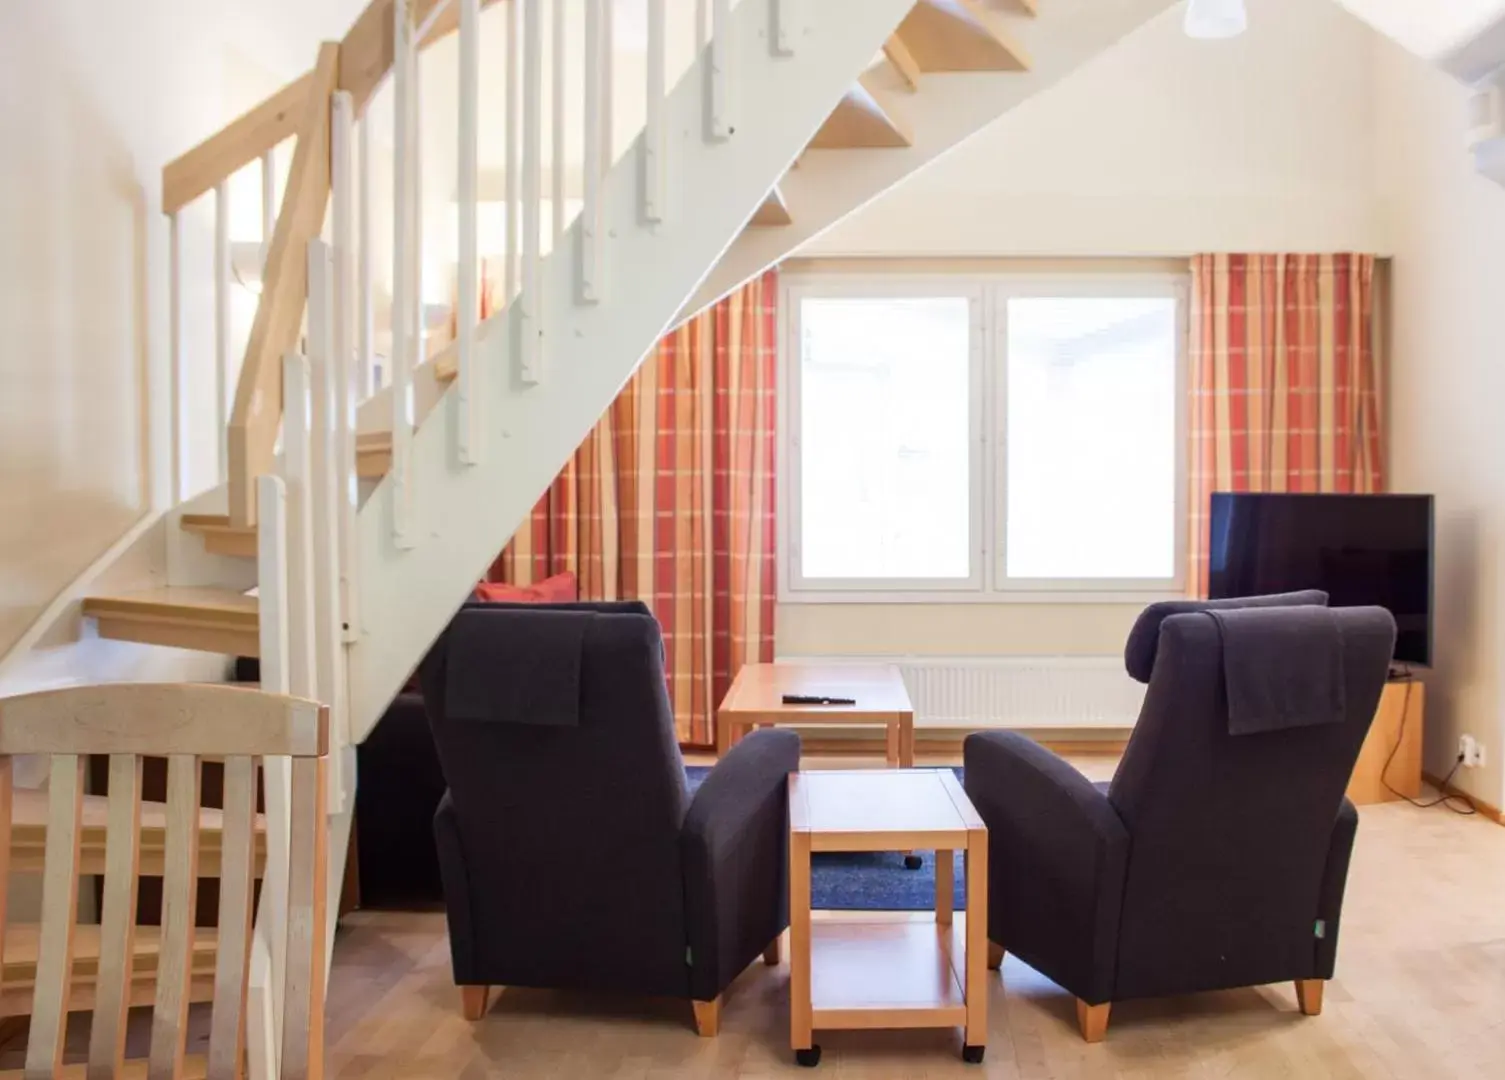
<point>464,514</point>
<point>830,185</point>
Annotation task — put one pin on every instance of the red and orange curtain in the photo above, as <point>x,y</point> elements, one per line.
<point>1285,386</point>
<point>670,499</point>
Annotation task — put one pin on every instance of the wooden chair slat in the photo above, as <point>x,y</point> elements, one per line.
<point>232,965</point>
<point>179,891</point>
<point>117,919</point>
<point>185,724</point>
<point>161,718</point>
<point>303,1016</point>
<point>49,1009</point>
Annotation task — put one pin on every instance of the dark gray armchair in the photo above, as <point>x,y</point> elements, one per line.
<point>1218,855</point>
<point>571,853</point>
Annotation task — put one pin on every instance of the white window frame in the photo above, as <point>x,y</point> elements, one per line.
<point>988,294</point>
<point>792,582</point>
<point>1175,287</point>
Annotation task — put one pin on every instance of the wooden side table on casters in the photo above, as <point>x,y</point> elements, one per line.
<point>852,973</point>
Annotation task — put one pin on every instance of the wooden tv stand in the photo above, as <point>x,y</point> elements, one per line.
<point>1397,729</point>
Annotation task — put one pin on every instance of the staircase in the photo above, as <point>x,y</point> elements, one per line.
<point>386,503</point>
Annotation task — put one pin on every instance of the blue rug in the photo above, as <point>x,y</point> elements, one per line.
<point>868,880</point>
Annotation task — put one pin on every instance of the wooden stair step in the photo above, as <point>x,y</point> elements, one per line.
<point>28,835</point>
<point>960,35</point>
<point>373,457</point>
<point>774,210</point>
<point>220,537</point>
<point>210,620</point>
<point>860,122</point>
<point>373,449</point>
<point>903,61</point>
<point>22,941</point>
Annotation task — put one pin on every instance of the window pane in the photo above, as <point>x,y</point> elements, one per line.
<point>884,438</point>
<point>1091,478</point>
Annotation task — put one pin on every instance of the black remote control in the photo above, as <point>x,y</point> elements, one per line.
<point>817,699</point>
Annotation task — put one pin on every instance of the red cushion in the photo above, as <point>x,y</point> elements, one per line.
<point>559,589</point>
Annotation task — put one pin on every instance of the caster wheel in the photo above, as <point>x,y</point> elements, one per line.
<point>808,1058</point>
<point>972,1055</point>
<point>913,862</point>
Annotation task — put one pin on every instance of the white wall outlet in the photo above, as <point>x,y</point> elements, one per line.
<point>1471,751</point>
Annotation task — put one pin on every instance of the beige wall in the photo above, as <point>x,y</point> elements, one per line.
<point>1161,146</point>
<point>953,629</point>
<point>97,98</point>
<point>1447,385</point>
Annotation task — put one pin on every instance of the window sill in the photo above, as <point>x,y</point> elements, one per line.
<point>1140,598</point>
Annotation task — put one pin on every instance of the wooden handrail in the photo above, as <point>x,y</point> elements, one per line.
<point>284,290</point>
<point>187,177</point>
<point>366,53</point>
<point>357,64</point>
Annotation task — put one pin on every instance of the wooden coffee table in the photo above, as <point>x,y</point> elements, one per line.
<point>757,692</point>
<point>853,973</point>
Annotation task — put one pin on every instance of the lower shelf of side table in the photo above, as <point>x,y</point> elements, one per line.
<point>887,974</point>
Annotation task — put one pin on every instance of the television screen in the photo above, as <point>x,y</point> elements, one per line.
<point>1359,549</point>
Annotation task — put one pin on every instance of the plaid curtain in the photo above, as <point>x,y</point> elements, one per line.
<point>1285,388</point>
<point>671,500</point>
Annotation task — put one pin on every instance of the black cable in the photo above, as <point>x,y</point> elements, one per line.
<point>1444,799</point>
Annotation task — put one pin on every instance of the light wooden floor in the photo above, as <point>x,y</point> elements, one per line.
<point>1420,994</point>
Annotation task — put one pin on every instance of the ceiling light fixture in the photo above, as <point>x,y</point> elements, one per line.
<point>1209,19</point>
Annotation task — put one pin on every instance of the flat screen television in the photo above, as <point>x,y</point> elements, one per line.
<point>1359,549</point>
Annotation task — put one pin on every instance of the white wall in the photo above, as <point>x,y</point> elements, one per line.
<point>1447,385</point>
<point>1427,28</point>
<point>98,97</point>
<point>1162,145</point>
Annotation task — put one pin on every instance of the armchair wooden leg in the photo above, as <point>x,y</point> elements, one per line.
<point>1093,1020</point>
<point>774,952</point>
<point>1309,996</point>
<point>995,956</point>
<point>473,1001</point>
<point>707,1018</point>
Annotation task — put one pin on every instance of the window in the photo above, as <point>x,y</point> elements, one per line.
<point>1004,438</point>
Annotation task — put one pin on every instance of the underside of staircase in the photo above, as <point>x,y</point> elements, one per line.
<point>937,72</point>
<point>338,560</point>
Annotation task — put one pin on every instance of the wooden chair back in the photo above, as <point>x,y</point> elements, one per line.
<point>185,724</point>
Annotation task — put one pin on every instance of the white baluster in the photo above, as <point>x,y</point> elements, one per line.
<point>177,376</point>
<point>365,303</point>
<point>782,43</point>
<point>469,313</point>
<point>324,450</point>
<point>559,70</point>
<point>298,471</point>
<point>405,286</point>
<point>513,120</point>
<point>719,119</point>
<point>330,676</point>
<point>268,960</point>
<point>419,337</point>
<point>609,87</point>
<point>655,141</point>
<point>596,13</point>
<point>530,299</point>
<point>268,201</point>
<point>342,357</point>
<point>222,387</point>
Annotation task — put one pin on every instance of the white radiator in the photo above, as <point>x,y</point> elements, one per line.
<point>1012,691</point>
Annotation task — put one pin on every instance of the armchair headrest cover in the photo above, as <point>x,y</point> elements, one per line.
<point>516,666</point>
<point>1282,667</point>
<point>1144,638</point>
